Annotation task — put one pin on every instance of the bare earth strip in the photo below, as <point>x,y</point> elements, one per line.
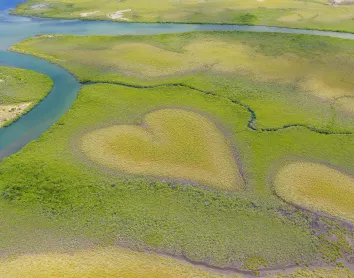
<point>10,112</point>
<point>89,13</point>
<point>119,15</point>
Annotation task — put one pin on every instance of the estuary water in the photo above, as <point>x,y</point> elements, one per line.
<point>14,29</point>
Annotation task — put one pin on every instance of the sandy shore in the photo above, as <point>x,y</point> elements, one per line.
<point>10,112</point>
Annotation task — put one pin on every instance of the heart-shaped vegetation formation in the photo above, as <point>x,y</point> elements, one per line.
<point>171,143</point>
<point>317,187</point>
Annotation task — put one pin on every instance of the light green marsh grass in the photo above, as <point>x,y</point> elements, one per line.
<point>286,13</point>
<point>19,85</point>
<point>205,225</point>
<point>20,90</point>
<point>285,79</point>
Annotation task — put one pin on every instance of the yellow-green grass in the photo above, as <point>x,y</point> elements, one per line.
<point>220,54</point>
<point>316,273</point>
<point>346,104</point>
<point>287,13</point>
<point>170,143</point>
<point>52,254</point>
<point>296,76</point>
<point>121,262</point>
<point>20,91</point>
<point>243,229</point>
<point>317,187</point>
<point>101,262</point>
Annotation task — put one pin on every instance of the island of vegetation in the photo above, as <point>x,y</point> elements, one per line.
<point>322,14</point>
<point>20,91</point>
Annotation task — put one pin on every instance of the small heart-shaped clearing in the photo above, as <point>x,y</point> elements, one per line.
<point>317,187</point>
<point>171,143</point>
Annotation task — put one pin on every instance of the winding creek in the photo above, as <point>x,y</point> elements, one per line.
<point>14,29</point>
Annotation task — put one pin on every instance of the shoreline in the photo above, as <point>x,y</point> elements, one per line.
<point>13,12</point>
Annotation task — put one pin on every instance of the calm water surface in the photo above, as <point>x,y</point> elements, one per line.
<point>14,29</point>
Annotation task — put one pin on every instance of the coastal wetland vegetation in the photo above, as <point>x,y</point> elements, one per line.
<point>201,154</point>
<point>319,14</point>
<point>20,91</point>
<point>179,86</point>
